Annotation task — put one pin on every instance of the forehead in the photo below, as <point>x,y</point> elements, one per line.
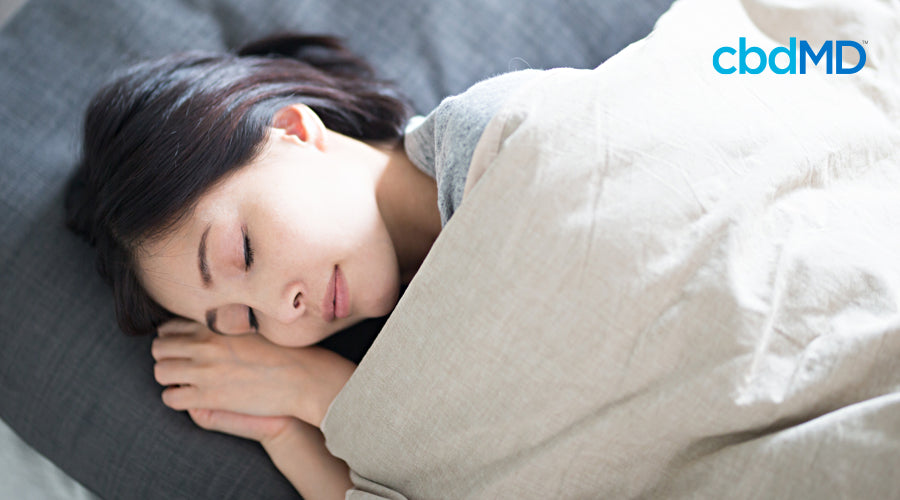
<point>213,204</point>
<point>167,265</point>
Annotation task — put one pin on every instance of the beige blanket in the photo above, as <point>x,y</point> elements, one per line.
<point>662,282</point>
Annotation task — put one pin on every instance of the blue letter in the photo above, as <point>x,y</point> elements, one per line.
<point>792,55</point>
<point>718,55</point>
<point>840,59</point>
<point>743,58</point>
<point>816,57</point>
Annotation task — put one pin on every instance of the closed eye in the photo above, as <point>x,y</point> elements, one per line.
<point>248,262</point>
<point>251,319</point>
<point>248,250</point>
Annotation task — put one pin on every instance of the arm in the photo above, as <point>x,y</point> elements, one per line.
<point>251,388</point>
<point>299,453</point>
<point>296,448</point>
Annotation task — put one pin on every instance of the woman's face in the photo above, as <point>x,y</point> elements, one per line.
<point>292,245</point>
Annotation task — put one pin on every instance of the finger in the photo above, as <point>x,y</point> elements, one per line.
<point>221,420</point>
<point>175,347</point>
<point>238,424</point>
<point>187,396</point>
<point>175,372</point>
<point>180,397</point>
<point>184,397</point>
<point>203,417</point>
<point>178,326</point>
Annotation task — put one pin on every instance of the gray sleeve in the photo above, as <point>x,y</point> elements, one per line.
<point>442,144</point>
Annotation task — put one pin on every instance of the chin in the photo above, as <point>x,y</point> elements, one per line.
<point>383,303</point>
<point>389,300</point>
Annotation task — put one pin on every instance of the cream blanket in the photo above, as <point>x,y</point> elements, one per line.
<point>662,282</point>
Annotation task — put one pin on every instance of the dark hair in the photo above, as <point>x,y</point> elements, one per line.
<point>165,131</point>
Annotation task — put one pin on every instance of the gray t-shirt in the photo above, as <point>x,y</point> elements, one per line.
<point>441,144</point>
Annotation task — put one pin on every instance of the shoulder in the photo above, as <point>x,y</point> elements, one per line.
<point>459,119</point>
<point>478,104</point>
<point>441,144</point>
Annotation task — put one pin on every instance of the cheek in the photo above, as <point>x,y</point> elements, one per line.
<point>327,210</point>
<point>294,336</point>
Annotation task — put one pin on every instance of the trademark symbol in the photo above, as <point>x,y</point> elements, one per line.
<point>865,42</point>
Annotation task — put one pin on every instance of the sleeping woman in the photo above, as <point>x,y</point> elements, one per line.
<point>247,206</point>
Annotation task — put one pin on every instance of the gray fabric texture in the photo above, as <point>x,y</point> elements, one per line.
<point>442,144</point>
<point>71,385</point>
<point>24,473</point>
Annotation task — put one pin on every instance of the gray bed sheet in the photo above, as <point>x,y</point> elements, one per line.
<point>25,473</point>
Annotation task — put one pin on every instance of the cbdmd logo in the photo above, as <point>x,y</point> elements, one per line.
<point>831,52</point>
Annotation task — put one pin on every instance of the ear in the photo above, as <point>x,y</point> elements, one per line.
<point>301,124</point>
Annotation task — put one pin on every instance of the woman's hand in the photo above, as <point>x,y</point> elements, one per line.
<point>297,449</point>
<point>262,429</point>
<point>245,374</point>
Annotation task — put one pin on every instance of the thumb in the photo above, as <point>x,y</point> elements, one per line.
<point>239,424</point>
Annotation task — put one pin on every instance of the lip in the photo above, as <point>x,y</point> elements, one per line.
<point>341,294</point>
<point>336,303</point>
<point>328,300</point>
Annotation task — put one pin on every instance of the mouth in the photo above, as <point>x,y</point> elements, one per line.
<point>336,303</point>
<point>328,300</point>
<point>341,294</point>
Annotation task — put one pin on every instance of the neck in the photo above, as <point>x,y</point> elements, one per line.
<point>407,200</point>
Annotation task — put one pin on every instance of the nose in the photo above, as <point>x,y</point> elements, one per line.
<point>292,303</point>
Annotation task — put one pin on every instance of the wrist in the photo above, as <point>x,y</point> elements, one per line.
<point>300,454</point>
<point>291,435</point>
<point>322,376</point>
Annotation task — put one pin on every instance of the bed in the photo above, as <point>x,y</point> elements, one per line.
<point>80,410</point>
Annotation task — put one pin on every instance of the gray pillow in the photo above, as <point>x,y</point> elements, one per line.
<point>71,384</point>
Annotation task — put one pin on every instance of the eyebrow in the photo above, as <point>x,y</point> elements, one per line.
<point>206,277</point>
<point>202,262</point>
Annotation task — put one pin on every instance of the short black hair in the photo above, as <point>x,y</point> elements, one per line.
<point>165,131</point>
